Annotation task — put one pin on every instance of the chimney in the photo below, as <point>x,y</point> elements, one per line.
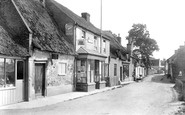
<point>119,38</point>
<point>86,16</point>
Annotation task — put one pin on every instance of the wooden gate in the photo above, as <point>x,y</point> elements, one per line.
<point>39,79</point>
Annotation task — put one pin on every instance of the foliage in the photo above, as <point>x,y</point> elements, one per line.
<point>142,43</point>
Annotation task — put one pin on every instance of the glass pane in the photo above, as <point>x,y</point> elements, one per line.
<point>19,69</point>
<point>10,72</point>
<point>2,78</point>
<point>62,68</point>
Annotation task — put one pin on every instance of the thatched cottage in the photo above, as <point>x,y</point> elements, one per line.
<point>36,58</point>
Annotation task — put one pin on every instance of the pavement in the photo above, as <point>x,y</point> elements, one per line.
<point>41,102</point>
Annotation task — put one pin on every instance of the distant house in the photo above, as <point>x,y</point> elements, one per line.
<point>176,64</point>
<point>155,66</point>
<point>137,69</point>
<point>119,65</point>
<point>35,58</point>
<point>92,47</point>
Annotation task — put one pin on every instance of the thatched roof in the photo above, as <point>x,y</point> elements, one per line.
<point>9,47</point>
<point>77,19</point>
<point>46,37</point>
<point>116,49</point>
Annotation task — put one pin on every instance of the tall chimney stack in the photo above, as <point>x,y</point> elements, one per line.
<point>119,38</point>
<point>86,16</point>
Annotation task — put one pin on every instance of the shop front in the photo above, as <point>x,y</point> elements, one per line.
<point>90,72</point>
<point>12,80</point>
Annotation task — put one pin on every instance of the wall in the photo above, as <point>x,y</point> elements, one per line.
<point>88,41</point>
<point>114,80</point>
<point>179,63</point>
<point>55,84</point>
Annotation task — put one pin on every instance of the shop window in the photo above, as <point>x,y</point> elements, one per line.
<point>125,71</point>
<point>115,69</point>
<point>2,74</point>
<point>62,68</point>
<point>10,72</point>
<point>7,72</point>
<point>81,69</point>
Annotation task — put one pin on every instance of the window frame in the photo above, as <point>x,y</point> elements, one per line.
<point>60,67</point>
<point>83,34</point>
<point>104,46</point>
<point>96,43</point>
<point>5,74</point>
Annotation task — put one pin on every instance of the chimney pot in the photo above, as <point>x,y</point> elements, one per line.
<point>119,38</point>
<point>86,16</point>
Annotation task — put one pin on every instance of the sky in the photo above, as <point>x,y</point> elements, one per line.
<point>165,19</point>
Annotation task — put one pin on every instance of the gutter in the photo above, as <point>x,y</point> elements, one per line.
<point>24,21</point>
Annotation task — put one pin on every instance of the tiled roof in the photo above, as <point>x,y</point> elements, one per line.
<point>83,50</point>
<point>116,48</point>
<point>79,20</point>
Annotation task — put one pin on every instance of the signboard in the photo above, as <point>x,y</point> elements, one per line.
<point>69,29</point>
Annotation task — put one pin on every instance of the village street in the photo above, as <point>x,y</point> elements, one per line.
<point>152,96</point>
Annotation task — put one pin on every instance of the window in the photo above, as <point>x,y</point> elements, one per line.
<point>62,68</point>
<point>81,71</point>
<point>115,69</point>
<point>2,74</point>
<point>7,72</point>
<point>81,42</point>
<point>104,46</point>
<point>83,34</point>
<point>20,69</point>
<point>95,43</point>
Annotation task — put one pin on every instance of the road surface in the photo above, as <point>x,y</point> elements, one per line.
<point>152,96</point>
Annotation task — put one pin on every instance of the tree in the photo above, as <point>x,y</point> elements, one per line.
<point>142,43</point>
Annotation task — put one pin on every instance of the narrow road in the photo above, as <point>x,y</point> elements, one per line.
<point>153,96</point>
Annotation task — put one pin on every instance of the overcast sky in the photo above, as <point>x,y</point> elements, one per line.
<point>165,19</point>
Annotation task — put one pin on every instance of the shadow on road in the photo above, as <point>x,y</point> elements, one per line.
<point>161,79</point>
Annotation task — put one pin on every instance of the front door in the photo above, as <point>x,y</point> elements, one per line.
<point>39,79</point>
<point>97,74</point>
<point>20,81</point>
<point>121,71</point>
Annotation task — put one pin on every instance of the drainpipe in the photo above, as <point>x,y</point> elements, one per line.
<point>74,71</point>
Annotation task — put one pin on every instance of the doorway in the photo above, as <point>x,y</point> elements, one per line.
<point>39,79</point>
<point>121,73</point>
<point>20,81</point>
